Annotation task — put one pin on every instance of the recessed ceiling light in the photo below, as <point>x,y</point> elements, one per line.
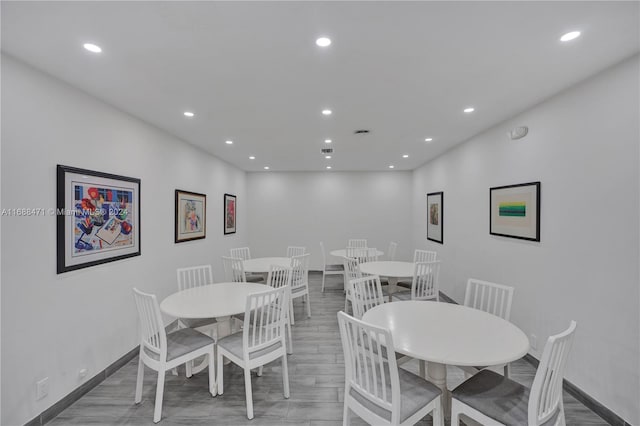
<point>188,114</point>
<point>323,41</point>
<point>405,156</point>
<point>391,166</point>
<point>570,36</point>
<point>229,142</point>
<point>266,167</point>
<point>428,139</point>
<point>328,167</point>
<point>92,47</point>
<point>469,109</point>
<point>328,141</point>
<point>327,112</point>
<point>252,158</point>
<point>328,157</point>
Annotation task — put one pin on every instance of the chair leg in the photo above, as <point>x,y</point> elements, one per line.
<point>455,413</point>
<point>323,281</point>
<point>507,370</point>
<point>290,347</point>
<point>308,306</point>
<point>437,415</point>
<point>247,390</point>
<point>139,382</point>
<point>189,366</point>
<point>220,380</point>
<point>346,415</point>
<point>259,373</point>
<point>212,372</point>
<point>285,376</point>
<point>422,369</point>
<point>157,412</point>
<point>291,316</point>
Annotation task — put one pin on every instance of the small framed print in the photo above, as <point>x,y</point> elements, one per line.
<point>98,218</point>
<point>229,214</point>
<point>515,211</point>
<point>435,217</point>
<point>191,216</point>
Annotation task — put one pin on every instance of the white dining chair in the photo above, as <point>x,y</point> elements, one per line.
<point>295,251</point>
<point>351,272</point>
<point>424,285</point>
<point>329,269</point>
<point>419,256</point>
<point>261,341</point>
<point>245,254</point>
<point>494,400</point>
<point>366,293</point>
<point>357,243</point>
<point>376,390</point>
<point>300,282</point>
<point>162,352</point>
<point>279,277</point>
<point>193,277</point>
<point>233,269</point>
<point>393,247</point>
<point>492,298</point>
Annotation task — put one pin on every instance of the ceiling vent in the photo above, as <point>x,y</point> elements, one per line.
<point>361,132</point>
<point>326,150</point>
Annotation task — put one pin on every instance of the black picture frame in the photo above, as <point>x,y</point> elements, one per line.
<point>190,216</point>
<point>514,211</point>
<point>435,217</point>
<point>97,218</point>
<point>229,217</point>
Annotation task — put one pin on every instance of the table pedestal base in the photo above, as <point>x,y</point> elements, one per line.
<point>437,374</point>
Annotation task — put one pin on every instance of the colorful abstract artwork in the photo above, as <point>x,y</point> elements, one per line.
<point>435,229</point>
<point>515,211</point>
<point>191,215</point>
<point>229,214</point>
<point>98,218</point>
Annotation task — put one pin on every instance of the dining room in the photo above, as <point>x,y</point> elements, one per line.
<point>456,143</point>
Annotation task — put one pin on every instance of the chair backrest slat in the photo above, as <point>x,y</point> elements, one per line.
<point>194,276</point>
<point>279,276</point>
<point>233,269</point>
<point>295,251</point>
<point>546,392</point>
<point>366,294</point>
<point>241,253</point>
<point>489,297</point>
<point>300,270</point>
<point>153,335</point>
<point>370,364</point>
<point>425,281</point>
<point>264,319</point>
<point>424,256</point>
<point>357,243</point>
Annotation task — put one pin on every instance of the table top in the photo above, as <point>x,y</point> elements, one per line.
<point>388,268</point>
<point>449,334</point>
<point>343,253</point>
<point>263,264</point>
<point>211,301</point>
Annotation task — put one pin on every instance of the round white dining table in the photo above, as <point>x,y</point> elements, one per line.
<point>448,334</point>
<point>262,265</point>
<point>343,253</point>
<point>392,270</point>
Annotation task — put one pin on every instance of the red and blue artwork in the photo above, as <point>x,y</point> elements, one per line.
<point>102,218</point>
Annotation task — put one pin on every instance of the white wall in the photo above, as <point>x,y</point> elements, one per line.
<point>54,325</point>
<point>306,208</point>
<point>583,147</point>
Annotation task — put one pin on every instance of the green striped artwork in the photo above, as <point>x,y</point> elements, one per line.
<point>517,209</point>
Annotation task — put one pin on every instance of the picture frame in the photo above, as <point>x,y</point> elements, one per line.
<point>515,211</point>
<point>435,217</point>
<point>229,216</point>
<point>191,216</point>
<point>97,218</point>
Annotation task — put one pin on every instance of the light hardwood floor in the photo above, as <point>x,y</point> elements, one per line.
<point>316,372</point>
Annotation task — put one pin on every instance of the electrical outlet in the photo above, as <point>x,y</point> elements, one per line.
<point>533,340</point>
<point>42,388</point>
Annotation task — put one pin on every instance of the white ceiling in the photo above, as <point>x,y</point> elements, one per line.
<point>252,73</point>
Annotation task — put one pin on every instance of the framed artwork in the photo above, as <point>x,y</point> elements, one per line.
<point>98,218</point>
<point>229,214</point>
<point>191,216</point>
<point>435,217</point>
<point>515,211</point>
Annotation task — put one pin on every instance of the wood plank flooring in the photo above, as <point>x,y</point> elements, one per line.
<point>316,372</point>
